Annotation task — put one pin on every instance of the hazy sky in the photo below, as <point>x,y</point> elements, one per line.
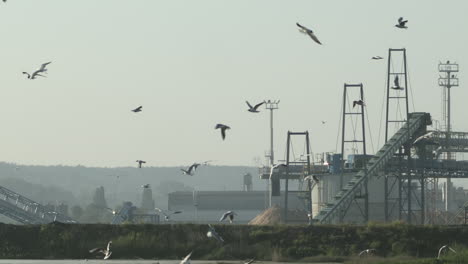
<point>192,64</point>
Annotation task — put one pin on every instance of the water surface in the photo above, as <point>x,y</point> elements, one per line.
<point>100,261</point>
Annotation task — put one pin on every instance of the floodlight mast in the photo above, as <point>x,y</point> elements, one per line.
<point>271,105</point>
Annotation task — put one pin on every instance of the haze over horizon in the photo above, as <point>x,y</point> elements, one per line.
<point>193,64</point>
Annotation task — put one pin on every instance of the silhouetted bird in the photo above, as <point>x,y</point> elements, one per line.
<point>106,251</point>
<point>443,249</point>
<point>186,260</point>
<point>212,233</point>
<point>367,252</point>
<point>253,109</point>
<point>228,214</point>
<point>36,73</point>
<point>140,162</point>
<point>138,109</point>
<point>396,82</point>
<point>377,58</point>
<point>315,178</point>
<point>401,23</point>
<point>145,186</point>
<point>191,169</point>
<point>323,122</point>
<point>309,32</point>
<point>167,216</point>
<point>223,129</point>
<point>425,136</point>
<point>358,102</point>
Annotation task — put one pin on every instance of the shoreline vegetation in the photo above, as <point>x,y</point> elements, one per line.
<point>394,243</point>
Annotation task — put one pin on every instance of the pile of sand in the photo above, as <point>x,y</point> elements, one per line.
<point>274,215</point>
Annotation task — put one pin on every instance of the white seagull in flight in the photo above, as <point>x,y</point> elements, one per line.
<point>167,216</point>
<point>227,214</point>
<point>212,233</point>
<point>445,248</point>
<point>106,251</point>
<point>425,136</point>
<point>367,252</point>
<point>309,32</point>
<point>186,260</point>
<point>191,169</point>
<point>36,73</point>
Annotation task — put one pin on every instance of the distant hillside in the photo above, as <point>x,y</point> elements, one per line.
<point>76,185</point>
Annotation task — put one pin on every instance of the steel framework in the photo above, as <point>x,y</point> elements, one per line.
<point>304,164</point>
<point>349,113</point>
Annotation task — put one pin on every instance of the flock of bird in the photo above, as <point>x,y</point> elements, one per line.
<point>212,233</point>
<point>253,109</point>
<point>106,252</point>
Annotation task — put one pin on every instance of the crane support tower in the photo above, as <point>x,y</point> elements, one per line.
<point>353,114</point>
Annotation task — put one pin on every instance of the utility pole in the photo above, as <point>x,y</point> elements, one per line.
<point>271,105</point>
<point>446,82</point>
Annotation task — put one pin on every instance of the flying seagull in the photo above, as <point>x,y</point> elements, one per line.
<point>358,102</point>
<point>276,166</point>
<point>250,261</point>
<point>138,109</point>
<point>186,260</point>
<point>367,252</point>
<point>111,210</point>
<point>312,177</point>
<point>377,58</point>
<point>445,248</point>
<point>145,186</point>
<point>191,169</point>
<point>140,162</point>
<point>206,163</point>
<point>401,23</point>
<point>212,233</point>
<point>309,32</point>
<point>228,214</point>
<point>106,251</point>
<point>223,129</point>
<point>37,72</point>
<point>425,136</point>
<point>167,216</point>
<point>396,82</point>
<point>253,109</point>
<point>323,122</point>
<point>436,152</point>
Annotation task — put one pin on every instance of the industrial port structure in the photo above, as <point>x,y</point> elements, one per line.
<point>399,182</point>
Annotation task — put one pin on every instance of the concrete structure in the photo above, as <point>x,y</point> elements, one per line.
<point>208,206</point>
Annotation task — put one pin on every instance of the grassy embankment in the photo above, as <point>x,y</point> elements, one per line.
<point>395,243</point>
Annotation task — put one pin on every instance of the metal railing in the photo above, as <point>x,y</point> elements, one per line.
<point>344,198</point>
<point>27,211</point>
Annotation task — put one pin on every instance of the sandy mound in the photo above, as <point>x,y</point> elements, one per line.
<point>274,215</point>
